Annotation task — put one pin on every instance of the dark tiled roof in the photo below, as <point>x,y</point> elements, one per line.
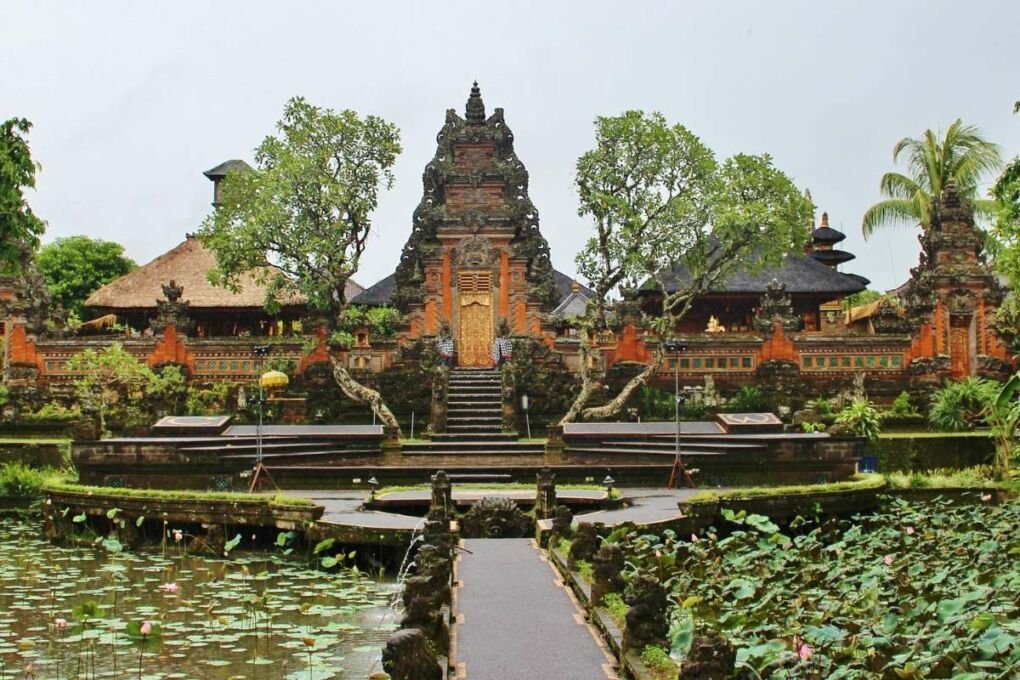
<point>865,281</point>
<point>831,257</point>
<point>564,286</point>
<point>223,168</point>
<point>382,291</point>
<point>800,273</point>
<point>827,234</point>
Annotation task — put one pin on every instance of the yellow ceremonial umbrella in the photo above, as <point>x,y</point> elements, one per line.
<point>274,379</point>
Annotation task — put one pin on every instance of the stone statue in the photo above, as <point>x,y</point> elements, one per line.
<point>712,657</point>
<point>583,546</point>
<point>608,565</point>
<point>408,656</point>
<point>494,517</point>
<point>646,618</point>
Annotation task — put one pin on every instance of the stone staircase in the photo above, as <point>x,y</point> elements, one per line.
<point>474,423</point>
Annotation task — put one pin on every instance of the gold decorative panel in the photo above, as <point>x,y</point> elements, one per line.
<point>474,344</point>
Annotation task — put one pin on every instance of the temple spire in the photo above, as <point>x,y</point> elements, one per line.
<point>475,109</point>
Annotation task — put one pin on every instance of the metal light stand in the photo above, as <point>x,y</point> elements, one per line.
<point>525,401</point>
<point>678,471</point>
<point>260,471</point>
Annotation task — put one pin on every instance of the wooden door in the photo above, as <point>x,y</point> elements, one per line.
<point>960,346</point>
<point>474,336</point>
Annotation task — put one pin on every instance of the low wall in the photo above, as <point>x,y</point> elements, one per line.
<point>904,452</point>
<point>35,454</point>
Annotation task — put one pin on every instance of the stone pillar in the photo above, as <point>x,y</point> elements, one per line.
<point>440,389</point>
<point>509,392</point>
<point>554,445</point>
<point>545,501</point>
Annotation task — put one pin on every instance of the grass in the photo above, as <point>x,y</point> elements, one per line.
<point>18,480</point>
<point>174,495</point>
<point>617,608</point>
<point>857,483</point>
<point>925,434</point>
<point>981,476</point>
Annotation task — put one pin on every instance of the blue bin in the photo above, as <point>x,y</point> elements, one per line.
<point>867,464</point>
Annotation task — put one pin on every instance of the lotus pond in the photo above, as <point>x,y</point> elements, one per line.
<point>83,612</point>
<point>925,590</point>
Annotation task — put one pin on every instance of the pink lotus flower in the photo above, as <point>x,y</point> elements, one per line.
<point>888,560</point>
<point>146,628</point>
<point>804,651</point>
<point>169,587</point>
<point>694,538</point>
<point>60,624</point>
<point>910,531</point>
<point>178,535</point>
<point>986,497</point>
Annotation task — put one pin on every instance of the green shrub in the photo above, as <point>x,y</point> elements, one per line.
<point>901,407</point>
<point>962,404</point>
<point>821,406</point>
<point>586,571</point>
<point>52,410</point>
<point>617,608</point>
<point>748,399</point>
<point>21,481</point>
<point>859,419</point>
<point>658,661</point>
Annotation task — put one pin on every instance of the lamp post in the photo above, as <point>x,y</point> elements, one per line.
<point>373,484</point>
<point>525,401</point>
<point>608,483</point>
<point>678,468</point>
<point>260,352</point>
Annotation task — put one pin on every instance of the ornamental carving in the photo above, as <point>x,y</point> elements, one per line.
<point>776,306</point>
<point>171,311</point>
<point>476,251</point>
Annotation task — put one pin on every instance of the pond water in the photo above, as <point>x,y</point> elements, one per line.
<point>259,616</point>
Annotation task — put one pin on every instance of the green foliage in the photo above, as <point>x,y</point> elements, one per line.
<point>1004,417</point>
<point>110,381</point>
<point>380,321</point>
<point>657,660</point>
<point>20,229</point>
<point>980,476</point>
<point>57,484</point>
<point>585,570</point>
<point>822,406</point>
<point>617,608</point>
<point>808,426</point>
<point>50,411</point>
<point>300,219</point>
<point>962,404</point>
<point>215,399</point>
<point>917,590</point>
<point>166,390</point>
<point>748,399</point>
<point>21,481</point>
<point>5,394</point>
<point>659,199</point>
<point>1005,237</point>
<point>960,155</point>
<point>302,216</point>
<point>860,419</point>
<point>901,407</point>
<point>75,266</point>
<point>863,297</point>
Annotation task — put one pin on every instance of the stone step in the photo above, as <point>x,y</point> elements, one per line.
<point>474,437</point>
<point>684,453</point>
<point>451,403</point>
<point>459,448</point>
<point>469,420</point>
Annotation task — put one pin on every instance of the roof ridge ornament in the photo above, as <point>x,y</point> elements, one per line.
<point>474,112</point>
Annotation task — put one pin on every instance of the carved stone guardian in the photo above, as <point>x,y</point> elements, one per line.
<point>408,656</point>
<point>545,502</point>
<point>776,306</point>
<point>646,618</point>
<point>171,311</point>
<point>583,546</point>
<point>608,564</point>
<point>712,657</point>
<point>494,517</point>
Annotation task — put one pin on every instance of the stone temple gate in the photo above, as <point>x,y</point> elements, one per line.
<point>475,256</point>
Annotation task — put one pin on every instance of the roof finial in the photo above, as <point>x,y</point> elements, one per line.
<point>575,287</point>
<point>825,220</point>
<point>475,109</point>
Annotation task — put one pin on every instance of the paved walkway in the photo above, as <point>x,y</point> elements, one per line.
<point>517,621</point>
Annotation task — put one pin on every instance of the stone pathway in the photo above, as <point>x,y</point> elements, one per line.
<point>517,621</point>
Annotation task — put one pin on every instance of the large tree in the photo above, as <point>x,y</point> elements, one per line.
<point>75,266</point>
<point>19,227</point>
<point>665,210</point>
<point>960,155</point>
<point>302,216</point>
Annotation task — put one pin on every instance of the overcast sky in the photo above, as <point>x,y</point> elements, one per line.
<point>131,101</point>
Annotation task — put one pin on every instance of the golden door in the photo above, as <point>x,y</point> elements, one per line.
<point>474,339</point>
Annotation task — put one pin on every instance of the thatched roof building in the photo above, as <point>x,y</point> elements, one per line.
<point>215,310</point>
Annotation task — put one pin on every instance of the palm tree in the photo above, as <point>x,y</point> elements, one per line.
<point>961,155</point>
